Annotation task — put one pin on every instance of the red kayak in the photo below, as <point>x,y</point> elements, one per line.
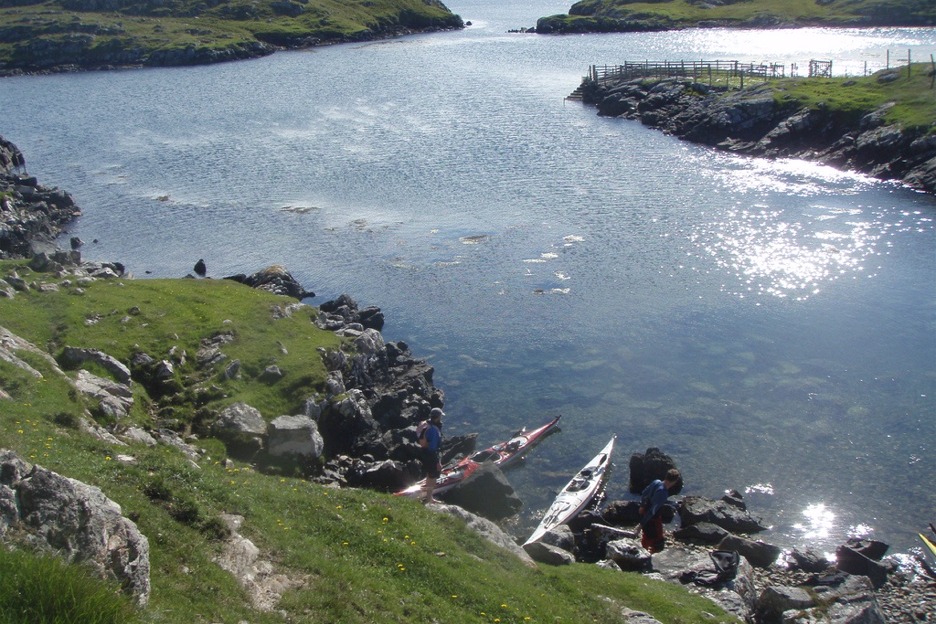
<point>502,454</point>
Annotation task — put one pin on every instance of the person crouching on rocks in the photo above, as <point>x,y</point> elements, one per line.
<point>431,440</point>
<point>652,501</point>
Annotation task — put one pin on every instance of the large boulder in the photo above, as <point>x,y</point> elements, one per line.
<point>242,429</point>
<point>487,493</point>
<point>629,555</point>
<point>852,560</point>
<point>701,533</point>
<point>75,520</point>
<point>759,553</point>
<point>549,554</point>
<point>294,436</point>
<point>696,509</point>
<point>649,466</point>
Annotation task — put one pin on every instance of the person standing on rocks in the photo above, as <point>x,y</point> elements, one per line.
<point>431,439</point>
<point>652,500</point>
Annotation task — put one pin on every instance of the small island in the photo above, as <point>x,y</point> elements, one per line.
<point>602,16</point>
<point>67,35</point>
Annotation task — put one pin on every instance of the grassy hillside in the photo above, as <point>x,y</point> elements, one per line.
<point>359,556</point>
<point>49,35</point>
<point>630,15</point>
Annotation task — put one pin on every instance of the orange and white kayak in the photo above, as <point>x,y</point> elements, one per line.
<point>502,454</point>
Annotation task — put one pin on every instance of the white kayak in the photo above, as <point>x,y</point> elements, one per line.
<point>577,493</point>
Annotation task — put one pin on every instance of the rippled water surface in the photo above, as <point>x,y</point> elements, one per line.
<point>770,325</point>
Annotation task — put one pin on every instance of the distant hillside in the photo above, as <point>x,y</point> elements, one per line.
<point>655,15</point>
<point>62,35</point>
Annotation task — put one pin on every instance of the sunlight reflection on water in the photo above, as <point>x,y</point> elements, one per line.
<point>818,524</point>
<point>770,255</point>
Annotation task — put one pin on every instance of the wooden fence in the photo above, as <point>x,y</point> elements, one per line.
<point>698,70</point>
<point>728,72</point>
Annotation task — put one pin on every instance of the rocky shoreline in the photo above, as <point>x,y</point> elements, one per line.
<point>753,122</point>
<point>60,59</point>
<point>364,424</point>
<point>30,214</point>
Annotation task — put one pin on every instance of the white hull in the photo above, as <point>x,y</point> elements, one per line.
<point>576,494</point>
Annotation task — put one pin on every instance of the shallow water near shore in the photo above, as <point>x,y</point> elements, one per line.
<point>770,325</point>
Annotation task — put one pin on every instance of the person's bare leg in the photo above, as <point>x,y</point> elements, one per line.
<point>428,489</point>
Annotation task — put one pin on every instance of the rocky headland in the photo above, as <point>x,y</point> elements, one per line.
<point>46,36</point>
<point>757,121</point>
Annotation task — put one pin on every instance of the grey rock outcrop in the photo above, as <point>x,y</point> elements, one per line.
<point>758,553</point>
<point>648,466</point>
<point>852,601</point>
<point>29,212</point>
<point>629,555</point>
<point>74,357</point>
<point>114,400</point>
<point>488,530</point>
<point>275,279</point>
<point>754,122</point>
<point>73,519</point>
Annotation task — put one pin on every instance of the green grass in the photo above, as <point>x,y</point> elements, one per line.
<point>122,317</point>
<point>361,556</point>
<point>909,88</point>
<point>41,589</point>
<point>610,15</point>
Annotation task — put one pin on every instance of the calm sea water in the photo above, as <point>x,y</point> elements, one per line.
<point>770,325</point>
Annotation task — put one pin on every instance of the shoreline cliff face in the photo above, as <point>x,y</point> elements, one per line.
<point>30,213</point>
<point>754,121</point>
